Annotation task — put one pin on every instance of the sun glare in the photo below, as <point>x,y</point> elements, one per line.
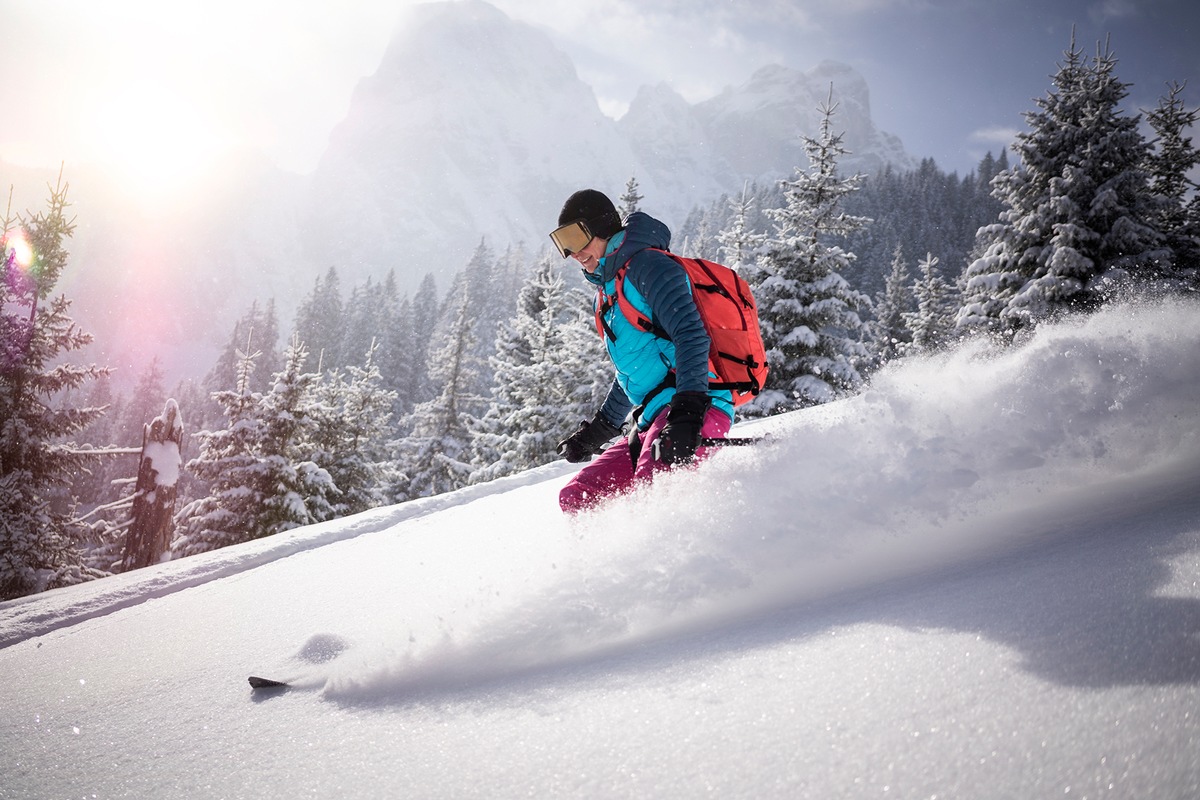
<point>153,140</point>
<point>18,246</point>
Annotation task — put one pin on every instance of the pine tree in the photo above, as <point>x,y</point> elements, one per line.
<point>39,540</point>
<point>266,323</point>
<point>932,324</point>
<point>485,287</point>
<point>423,317</point>
<point>740,243</point>
<point>260,469</point>
<point>890,329</point>
<point>1078,216</point>
<point>353,435</point>
<point>366,317</point>
<point>436,456</point>
<point>808,311</point>
<point>228,466</point>
<point>1170,164</point>
<point>393,341</point>
<point>320,323</point>
<point>705,242</point>
<point>94,485</point>
<point>630,200</point>
<point>143,405</point>
<point>296,490</point>
<point>536,380</point>
<point>256,331</point>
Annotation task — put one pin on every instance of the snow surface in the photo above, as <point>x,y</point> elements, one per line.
<point>977,579</point>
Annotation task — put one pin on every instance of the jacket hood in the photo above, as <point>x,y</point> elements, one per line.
<point>642,232</point>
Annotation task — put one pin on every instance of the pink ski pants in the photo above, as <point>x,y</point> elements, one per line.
<point>613,471</point>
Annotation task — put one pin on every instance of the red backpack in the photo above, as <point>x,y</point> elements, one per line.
<point>727,308</point>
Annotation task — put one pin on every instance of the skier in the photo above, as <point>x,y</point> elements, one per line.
<point>663,378</point>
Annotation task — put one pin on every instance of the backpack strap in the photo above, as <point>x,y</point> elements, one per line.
<point>601,307</point>
<point>619,299</point>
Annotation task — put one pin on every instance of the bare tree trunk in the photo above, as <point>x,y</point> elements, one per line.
<point>154,502</point>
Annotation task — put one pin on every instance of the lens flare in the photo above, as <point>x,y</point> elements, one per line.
<point>17,247</point>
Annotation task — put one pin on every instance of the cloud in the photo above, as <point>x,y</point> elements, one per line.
<point>994,135</point>
<point>1107,10</point>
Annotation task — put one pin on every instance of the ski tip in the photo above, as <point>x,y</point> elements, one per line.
<point>266,683</point>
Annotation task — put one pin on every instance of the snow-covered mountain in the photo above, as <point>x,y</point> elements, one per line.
<point>474,127</point>
<point>979,579</point>
<point>450,141</point>
<point>756,126</point>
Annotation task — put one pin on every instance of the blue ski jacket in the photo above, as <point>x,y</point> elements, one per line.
<point>649,368</point>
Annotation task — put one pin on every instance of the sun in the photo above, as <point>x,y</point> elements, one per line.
<point>152,139</point>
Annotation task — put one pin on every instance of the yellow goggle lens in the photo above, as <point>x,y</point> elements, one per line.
<point>571,238</point>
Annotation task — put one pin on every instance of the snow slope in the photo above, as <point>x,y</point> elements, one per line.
<point>977,579</point>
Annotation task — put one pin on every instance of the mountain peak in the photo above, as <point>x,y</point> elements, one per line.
<point>449,141</point>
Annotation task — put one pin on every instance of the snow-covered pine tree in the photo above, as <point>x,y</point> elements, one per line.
<point>144,404</point>
<point>39,540</point>
<point>259,468</point>
<point>536,380</point>
<point>321,323</point>
<point>296,490</point>
<point>932,324</point>
<point>489,288</point>
<point>423,317</point>
<point>704,243</point>
<point>256,330</point>
<point>94,486</point>
<point>629,202</point>
<point>496,445</point>
<point>739,242</point>
<point>368,313</point>
<point>394,359</point>
<point>354,434</point>
<point>809,313</point>
<point>435,457</point>
<point>1171,161</point>
<point>890,330</point>
<point>583,359</point>
<point>1078,215</point>
<point>227,469</point>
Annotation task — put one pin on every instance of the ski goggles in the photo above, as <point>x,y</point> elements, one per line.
<point>571,238</point>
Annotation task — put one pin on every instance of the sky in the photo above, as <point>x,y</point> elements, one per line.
<point>978,579</point>
<point>156,91</point>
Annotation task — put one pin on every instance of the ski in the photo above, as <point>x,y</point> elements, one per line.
<point>732,441</point>
<point>267,683</point>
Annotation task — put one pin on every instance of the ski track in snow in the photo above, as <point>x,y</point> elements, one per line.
<point>39,614</point>
<point>943,461</point>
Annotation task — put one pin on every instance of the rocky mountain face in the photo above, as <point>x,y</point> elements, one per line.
<point>450,142</point>
<point>474,128</point>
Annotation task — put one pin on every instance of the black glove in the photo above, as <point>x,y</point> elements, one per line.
<point>588,440</point>
<point>679,439</point>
